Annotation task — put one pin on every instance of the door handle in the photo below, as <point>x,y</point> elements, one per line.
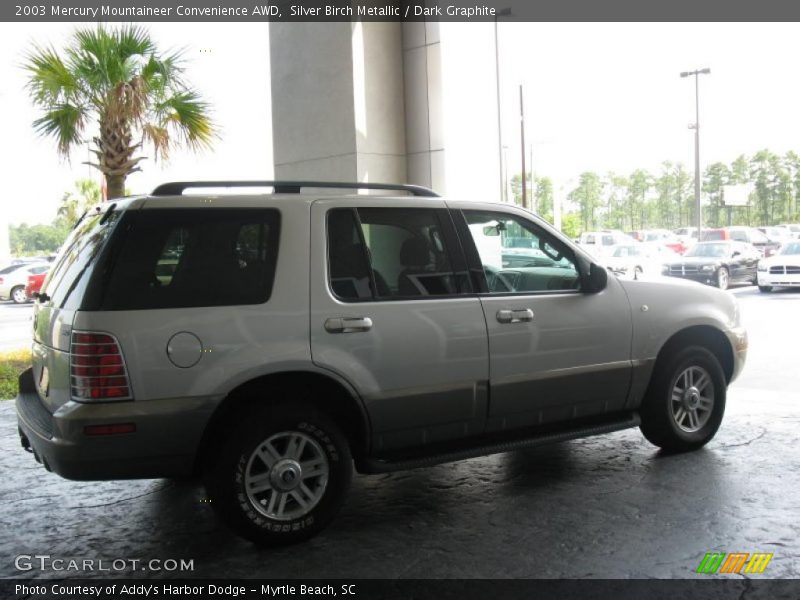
<point>348,324</point>
<point>520,315</point>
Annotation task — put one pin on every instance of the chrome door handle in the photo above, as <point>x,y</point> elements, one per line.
<point>348,324</point>
<point>521,315</point>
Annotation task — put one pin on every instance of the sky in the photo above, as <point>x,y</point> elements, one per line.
<point>598,96</point>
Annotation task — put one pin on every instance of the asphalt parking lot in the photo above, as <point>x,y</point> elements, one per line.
<point>15,325</point>
<point>604,507</point>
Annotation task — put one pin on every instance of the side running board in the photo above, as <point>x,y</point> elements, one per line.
<point>375,465</point>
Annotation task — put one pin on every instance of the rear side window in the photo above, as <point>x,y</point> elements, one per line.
<point>185,258</point>
<point>78,256</point>
<point>393,253</point>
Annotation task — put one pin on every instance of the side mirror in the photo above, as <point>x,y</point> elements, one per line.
<point>596,280</point>
<point>735,254</point>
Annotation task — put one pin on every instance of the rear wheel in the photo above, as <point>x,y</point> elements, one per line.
<point>18,295</point>
<point>723,278</point>
<point>281,475</point>
<point>765,288</point>
<point>685,402</point>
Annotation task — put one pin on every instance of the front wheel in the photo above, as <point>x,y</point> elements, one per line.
<point>765,289</point>
<point>281,475</point>
<point>723,278</point>
<point>685,401</point>
<point>18,295</point>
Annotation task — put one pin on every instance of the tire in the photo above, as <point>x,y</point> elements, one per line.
<point>272,513</point>
<point>765,289</point>
<point>723,278</point>
<point>663,424</point>
<point>18,295</point>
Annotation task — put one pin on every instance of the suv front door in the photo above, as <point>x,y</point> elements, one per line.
<point>556,352</point>
<point>393,313</point>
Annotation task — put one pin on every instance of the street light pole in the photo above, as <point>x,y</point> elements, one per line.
<point>501,13</point>
<point>696,127</point>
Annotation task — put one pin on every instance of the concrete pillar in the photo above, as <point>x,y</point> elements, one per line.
<point>337,101</point>
<point>422,78</point>
<point>386,102</point>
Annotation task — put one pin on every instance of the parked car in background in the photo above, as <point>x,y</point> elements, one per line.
<point>662,236</point>
<point>780,270</point>
<point>14,278</point>
<point>779,235</point>
<point>687,235</point>
<point>34,285</point>
<point>717,263</point>
<point>794,228</point>
<point>639,259</point>
<point>601,243</point>
<point>748,235</point>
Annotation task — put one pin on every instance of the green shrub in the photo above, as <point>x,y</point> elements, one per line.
<point>12,363</point>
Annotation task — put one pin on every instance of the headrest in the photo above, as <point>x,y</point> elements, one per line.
<point>415,252</point>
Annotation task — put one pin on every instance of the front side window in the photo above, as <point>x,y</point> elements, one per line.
<point>181,258</point>
<point>391,253</point>
<point>519,257</point>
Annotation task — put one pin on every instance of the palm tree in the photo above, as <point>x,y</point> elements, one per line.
<point>116,81</point>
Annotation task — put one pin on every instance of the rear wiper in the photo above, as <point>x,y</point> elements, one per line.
<point>107,214</point>
<point>78,222</point>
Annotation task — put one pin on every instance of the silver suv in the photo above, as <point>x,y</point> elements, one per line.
<point>271,341</point>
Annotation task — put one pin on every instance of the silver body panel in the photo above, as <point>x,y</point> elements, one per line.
<point>427,370</point>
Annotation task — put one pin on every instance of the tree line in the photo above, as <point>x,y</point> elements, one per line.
<point>645,200</point>
<point>42,239</point>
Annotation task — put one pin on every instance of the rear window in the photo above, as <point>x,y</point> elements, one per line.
<point>181,258</point>
<point>77,257</point>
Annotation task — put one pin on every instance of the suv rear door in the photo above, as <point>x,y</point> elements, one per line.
<point>393,313</point>
<point>556,353</point>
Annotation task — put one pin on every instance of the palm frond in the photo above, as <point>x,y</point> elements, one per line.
<point>50,80</point>
<point>158,137</point>
<point>64,122</point>
<point>187,116</point>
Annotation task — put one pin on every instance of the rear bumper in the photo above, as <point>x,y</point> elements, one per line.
<point>165,443</point>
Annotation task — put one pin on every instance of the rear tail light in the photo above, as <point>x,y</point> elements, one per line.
<point>97,368</point>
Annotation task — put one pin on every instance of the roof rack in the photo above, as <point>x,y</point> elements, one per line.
<point>176,188</point>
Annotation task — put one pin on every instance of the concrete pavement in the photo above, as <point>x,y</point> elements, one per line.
<point>604,507</point>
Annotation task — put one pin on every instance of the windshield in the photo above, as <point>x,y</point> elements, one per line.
<point>792,248</point>
<point>703,249</point>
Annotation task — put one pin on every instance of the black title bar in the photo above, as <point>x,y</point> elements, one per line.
<point>397,10</point>
<point>717,587</point>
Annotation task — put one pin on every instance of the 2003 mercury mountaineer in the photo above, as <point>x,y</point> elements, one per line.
<point>269,341</point>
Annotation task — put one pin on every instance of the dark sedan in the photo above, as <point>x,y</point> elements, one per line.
<point>717,263</point>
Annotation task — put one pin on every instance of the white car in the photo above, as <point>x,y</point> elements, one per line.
<point>780,270</point>
<point>639,259</point>
<point>13,280</point>
<point>601,243</point>
<point>793,228</point>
